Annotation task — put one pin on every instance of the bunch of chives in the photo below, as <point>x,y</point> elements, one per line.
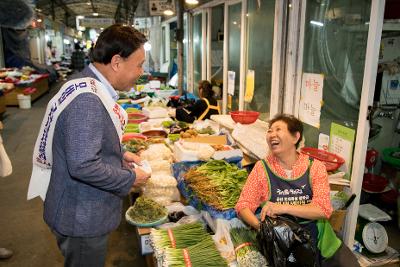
<point>202,254</point>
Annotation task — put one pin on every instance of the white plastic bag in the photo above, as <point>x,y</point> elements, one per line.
<point>5,163</point>
<point>222,239</point>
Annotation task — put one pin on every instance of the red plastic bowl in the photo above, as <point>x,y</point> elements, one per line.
<point>332,161</point>
<point>136,118</point>
<point>130,136</point>
<point>374,183</point>
<point>244,117</point>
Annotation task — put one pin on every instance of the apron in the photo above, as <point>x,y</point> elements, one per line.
<point>297,191</point>
<point>208,109</point>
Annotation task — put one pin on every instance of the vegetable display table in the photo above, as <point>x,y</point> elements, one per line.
<point>41,84</point>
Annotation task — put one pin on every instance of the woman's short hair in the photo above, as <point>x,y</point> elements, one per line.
<point>293,124</point>
<point>116,40</point>
<point>207,91</point>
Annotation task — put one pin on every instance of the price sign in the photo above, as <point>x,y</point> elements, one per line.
<point>145,244</point>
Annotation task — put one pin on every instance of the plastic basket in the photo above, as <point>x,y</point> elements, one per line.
<point>331,161</point>
<point>244,117</point>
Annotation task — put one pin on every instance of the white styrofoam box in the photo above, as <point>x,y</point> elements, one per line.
<point>152,124</point>
<point>155,84</point>
<point>165,93</point>
<point>182,154</point>
<point>155,112</point>
<point>226,154</point>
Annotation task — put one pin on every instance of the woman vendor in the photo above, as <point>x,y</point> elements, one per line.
<point>202,108</point>
<point>289,182</point>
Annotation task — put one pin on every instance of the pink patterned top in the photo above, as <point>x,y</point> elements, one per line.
<point>255,191</point>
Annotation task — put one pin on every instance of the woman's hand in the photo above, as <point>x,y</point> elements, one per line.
<point>272,209</point>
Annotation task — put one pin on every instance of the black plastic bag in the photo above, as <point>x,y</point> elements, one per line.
<point>285,243</point>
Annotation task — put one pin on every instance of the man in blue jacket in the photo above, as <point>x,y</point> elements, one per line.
<point>90,172</point>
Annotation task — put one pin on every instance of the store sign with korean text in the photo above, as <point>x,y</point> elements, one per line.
<point>96,22</point>
<point>157,7</point>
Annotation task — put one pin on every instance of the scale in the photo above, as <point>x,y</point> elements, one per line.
<point>374,237</point>
<point>369,232</point>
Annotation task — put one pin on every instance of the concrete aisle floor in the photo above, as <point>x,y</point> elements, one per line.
<point>21,222</point>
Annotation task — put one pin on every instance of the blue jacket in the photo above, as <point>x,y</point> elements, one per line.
<point>88,182</point>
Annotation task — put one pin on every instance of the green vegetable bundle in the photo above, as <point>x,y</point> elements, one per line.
<point>136,145</point>
<point>181,236</point>
<point>217,183</point>
<point>245,244</point>
<point>202,254</point>
<point>146,210</point>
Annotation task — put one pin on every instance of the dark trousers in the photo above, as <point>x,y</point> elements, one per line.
<point>82,251</point>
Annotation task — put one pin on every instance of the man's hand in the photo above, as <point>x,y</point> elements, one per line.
<point>141,177</point>
<point>130,158</point>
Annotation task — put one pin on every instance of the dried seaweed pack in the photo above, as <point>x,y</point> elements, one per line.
<point>285,243</point>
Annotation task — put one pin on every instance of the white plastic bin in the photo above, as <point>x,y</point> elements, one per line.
<point>24,101</point>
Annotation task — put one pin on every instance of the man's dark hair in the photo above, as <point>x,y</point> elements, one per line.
<point>293,124</point>
<point>116,40</point>
<point>207,89</point>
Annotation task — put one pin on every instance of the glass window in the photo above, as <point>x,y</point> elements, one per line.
<point>260,33</point>
<point>185,50</point>
<point>217,48</point>
<point>197,51</point>
<point>335,44</point>
<point>234,21</point>
<point>163,45</point>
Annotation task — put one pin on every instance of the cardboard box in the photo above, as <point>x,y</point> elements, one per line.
<point>211,139</point>
<point>337,220</point>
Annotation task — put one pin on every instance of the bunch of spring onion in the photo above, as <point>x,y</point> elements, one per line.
<point>181,236</point>
<point>217,183</point>
<point>202,254</point>
<point>245,244</point>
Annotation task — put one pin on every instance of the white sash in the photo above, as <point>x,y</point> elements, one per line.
<point>42,154</point>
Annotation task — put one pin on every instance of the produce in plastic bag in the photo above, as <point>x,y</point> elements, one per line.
<point>285,243</point>
<point>160,166</point>
<point>157,152</point>
<point>246,249</point>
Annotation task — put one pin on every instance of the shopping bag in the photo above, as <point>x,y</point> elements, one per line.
<point>5,163</point>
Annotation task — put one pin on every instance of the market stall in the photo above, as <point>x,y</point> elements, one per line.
<point>24,82</point>
<point>196,179</point>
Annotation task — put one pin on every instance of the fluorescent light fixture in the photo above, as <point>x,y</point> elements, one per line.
<point>317,23</point>
<point>168,12</point>
<point>80,17</point>
<point>192,2</point>
<point>39,20</point>
<point>147,46</point>
<point>88,3</point>
<point>234,22</point>
<point>95,14</point>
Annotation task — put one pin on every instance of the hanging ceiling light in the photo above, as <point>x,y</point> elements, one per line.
<point>192,2</point>
<point>168,12</point>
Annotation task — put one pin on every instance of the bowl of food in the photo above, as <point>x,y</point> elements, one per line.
<point>137,117</point>
<point>155,134</point>
<point>244,116</point>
